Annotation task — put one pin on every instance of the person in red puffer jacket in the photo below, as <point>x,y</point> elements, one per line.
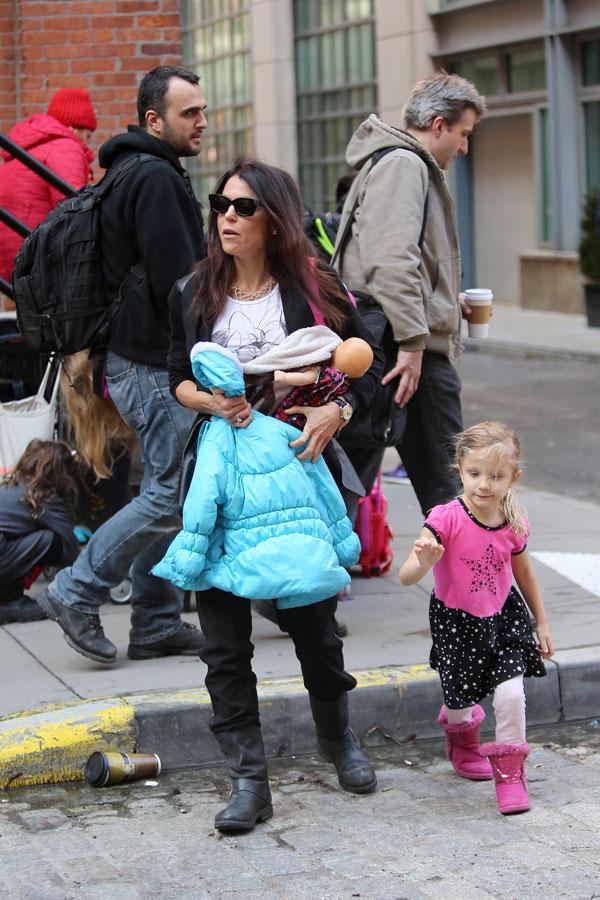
<point>57,139</point>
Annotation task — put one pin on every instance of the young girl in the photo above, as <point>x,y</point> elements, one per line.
<point>482,638</point>
<point>35,525</point>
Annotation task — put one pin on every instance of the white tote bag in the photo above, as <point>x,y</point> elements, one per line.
<point>23,420</point>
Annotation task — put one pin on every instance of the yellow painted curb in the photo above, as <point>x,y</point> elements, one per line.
<point>52,745</point>
<point>390,676</point>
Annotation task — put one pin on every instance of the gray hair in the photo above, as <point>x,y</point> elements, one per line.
<point>448,96</point>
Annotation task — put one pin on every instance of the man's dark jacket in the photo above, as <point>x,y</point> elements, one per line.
<point>150,220</point>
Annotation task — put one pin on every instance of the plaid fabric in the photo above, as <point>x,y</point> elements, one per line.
<point>331,383</point>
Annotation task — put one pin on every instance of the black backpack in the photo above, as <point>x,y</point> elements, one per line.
<point>383,423</point>
<point>60,293</point>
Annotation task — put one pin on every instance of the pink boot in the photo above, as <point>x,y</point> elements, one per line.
<point>508,762</point>
<point>462,746</point>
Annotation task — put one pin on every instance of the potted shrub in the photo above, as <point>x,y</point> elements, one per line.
<point>589,255</point>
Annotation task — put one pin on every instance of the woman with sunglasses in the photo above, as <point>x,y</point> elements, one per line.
<point>258,284</point>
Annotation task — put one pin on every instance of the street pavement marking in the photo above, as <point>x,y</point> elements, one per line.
<point>581,568</point>
<point>51,744</point>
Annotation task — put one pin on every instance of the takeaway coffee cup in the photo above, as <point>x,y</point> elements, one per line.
<point>480,301</point>
<point>115,767</point>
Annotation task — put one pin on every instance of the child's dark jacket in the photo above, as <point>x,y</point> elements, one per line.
<point>25,539</point>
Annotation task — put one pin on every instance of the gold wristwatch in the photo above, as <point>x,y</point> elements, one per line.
<point>346,410</point>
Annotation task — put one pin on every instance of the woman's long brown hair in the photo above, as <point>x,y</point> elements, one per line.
<point>47,469</point>
<point>287,252</point>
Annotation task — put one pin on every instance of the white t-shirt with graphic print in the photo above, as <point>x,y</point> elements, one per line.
<point>251,327</point>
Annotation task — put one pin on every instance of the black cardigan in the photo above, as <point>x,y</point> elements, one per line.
<point>297,313</point>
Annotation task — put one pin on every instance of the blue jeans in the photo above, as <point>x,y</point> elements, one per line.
<point>434,418</point>
<point>137,537</point>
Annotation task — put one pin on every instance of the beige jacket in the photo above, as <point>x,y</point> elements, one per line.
<point>418,290</point>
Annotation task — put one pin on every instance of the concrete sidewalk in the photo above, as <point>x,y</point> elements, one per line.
<point>57,706</point>
<point>535,333</point>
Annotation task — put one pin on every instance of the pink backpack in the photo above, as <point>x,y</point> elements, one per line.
<point>374,533</point>
<point>371,526</point>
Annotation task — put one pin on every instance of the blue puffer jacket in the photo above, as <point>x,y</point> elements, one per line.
<point>257,522</point>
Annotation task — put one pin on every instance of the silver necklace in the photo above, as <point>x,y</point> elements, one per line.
<point>240,294</point>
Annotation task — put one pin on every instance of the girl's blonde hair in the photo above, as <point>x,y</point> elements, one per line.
<point>95,422</point>
<point>496,438</point>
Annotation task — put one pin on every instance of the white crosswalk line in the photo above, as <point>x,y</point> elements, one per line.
<point>581,568</point>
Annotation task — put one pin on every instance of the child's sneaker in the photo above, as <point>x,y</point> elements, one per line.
<point>396,476</point>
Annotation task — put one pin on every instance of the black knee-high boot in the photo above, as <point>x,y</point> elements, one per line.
<point>338,745</point>
<point>250,800</point>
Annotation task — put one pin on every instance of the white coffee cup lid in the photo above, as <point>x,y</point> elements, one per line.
<point>479,294</point>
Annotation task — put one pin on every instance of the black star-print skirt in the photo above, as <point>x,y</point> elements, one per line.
<point>474,655</point>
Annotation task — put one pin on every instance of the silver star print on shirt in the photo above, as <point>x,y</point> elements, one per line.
<point>484,571</point>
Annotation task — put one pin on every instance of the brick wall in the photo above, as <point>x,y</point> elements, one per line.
<point>105,46</point>
<point>7,62</point>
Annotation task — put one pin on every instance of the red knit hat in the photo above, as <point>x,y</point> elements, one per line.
<point>73,106</point>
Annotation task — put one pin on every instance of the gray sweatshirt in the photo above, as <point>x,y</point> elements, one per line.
<point>418,289</point>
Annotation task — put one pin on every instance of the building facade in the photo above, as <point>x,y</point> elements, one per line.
<point>308,71</point>
<point>289,81</point>
<point>102,45</point>
<point>105,46</point>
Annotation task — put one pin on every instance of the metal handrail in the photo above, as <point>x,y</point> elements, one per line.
<point>36,166</point>
<point>44,172</point>
<point>22,229</point>
<point>14,223</point>
<point>6,288</point>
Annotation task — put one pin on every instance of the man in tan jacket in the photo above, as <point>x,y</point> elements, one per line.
<point>403,249</point>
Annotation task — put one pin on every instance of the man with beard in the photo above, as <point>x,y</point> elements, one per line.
<point>152,233</point>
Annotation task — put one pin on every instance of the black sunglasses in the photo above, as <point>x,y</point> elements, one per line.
<point>244,206</point>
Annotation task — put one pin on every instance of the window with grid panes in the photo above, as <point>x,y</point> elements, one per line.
<point>526,70</point>
<point>590,85</point>
<point>216,45</point>
<point>590,62</point>
<point>336,89</point>
<point>482,71</point>
<point>592,143</point>
<point>546,212</point>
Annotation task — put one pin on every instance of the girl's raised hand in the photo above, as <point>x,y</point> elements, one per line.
<point>428,551</point>
<point>425,554</point>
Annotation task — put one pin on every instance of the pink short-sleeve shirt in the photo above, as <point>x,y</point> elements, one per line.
<point>475,572</point>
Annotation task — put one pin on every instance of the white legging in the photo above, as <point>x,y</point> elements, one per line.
<point>509,710</point>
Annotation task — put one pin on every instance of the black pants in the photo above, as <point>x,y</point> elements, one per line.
<point>19,555</point>
<point>226,623</point>
<point>434,418</point>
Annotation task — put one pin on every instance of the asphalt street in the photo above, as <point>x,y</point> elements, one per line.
<point>425,833</point>
<point>554,404</point>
